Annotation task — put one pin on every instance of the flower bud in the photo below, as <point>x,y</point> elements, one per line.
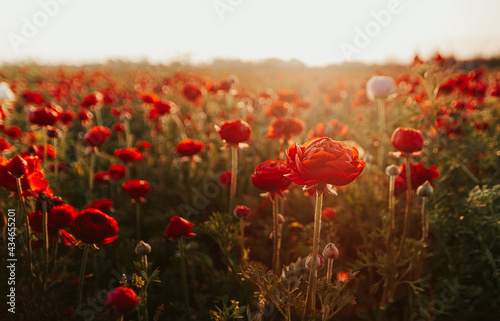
<point>241,211</point>
<point>142,248</point>
<point>379,87</point>
<point>281,219</point>
<point>319,262</point>
<point>392,170</point>
<point>17,166</point>
<point>331,251</point>
<point>425,190</point>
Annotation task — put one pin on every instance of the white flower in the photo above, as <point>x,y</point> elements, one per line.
<point>6,93</point>
<point>379,87</point>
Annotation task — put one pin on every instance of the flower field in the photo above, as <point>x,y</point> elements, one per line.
<point>250,192</point>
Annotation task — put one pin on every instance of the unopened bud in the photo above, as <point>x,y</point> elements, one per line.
<point>143,248</point>
<point>392,170</point>
<point>241,211</point>
<point>281,219</point>
<point>319,262</point>
<point>331,251</point>
<point>425,190</point>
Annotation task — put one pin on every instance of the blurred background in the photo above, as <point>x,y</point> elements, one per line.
<point>317,33</point>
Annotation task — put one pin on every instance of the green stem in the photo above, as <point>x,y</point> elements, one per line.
<point>381,132</point>
<point>98,115</point>
<point>392,182</point>
<point>276,254</point>
<point>91,171</point>
<point>128,136</point>
<point>45,233</point>
<point>145,296</point>
<point>234,174</point>
<point>242,239</point>
<point>44,142</point>
<point>138,220</point>
<point>329,270</point>
<point>26,217</point>
<point>184,276</point>
<point>425,222</point>
<point>56,167</point>
<point>407,209</point>
<point>82,271</point>
<point>311,289</point>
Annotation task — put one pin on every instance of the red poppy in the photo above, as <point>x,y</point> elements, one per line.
<point>96,136</point>
<point>285,128</point>
<point>189,147</point>
<point>13,132</point>
<point>43,116</point>
<point>117,172</point>
<point>58,217</point>
<point>93,226</point>
<point>4,145</point>
<point>85,115</point>
<point>289,96</point>
<point>270,177</point>
<point>418,173</point>
<point>407,140</point>
<point>192,92</point>
<point>128,155</point>
<point>32,97</point>
<point>328,213</point>
<point>118,128</point>
<point>323,161</point>
<point>225,178</point>
<point>234,132</point>
<point>32,181</point>
<point>66,117</point>
<point>91,100</point>
<point>277,109</point>
<point>143,145</point>
<point>17,166</point>
<point>178,227</point>
<point>122,299</point>
<point>162,107</point>
<point>104,205</point>
<point>136,189</point>
<point>241,211</point>
<point>102,178</point>
<point>148,97</point>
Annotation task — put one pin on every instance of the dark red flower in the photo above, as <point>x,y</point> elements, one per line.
<point>91,100</point>
<point>178,227</point>
<point>241,211</point>
<point>419,174</point>
<point>104,205</point>
<point>13,132</point>
<point>102,178</point>
<point>136,189</point>
<point>192,92</point>
<point>189,147</point>
<point>148,97</point>
<point>117,171</point>
<point>328,213</point>
<point>61,166</point>
<point>31,97</point>
<point>17,166</point>
<point>323,161</point>
<point>96,136</point>
<point>85,115</point>
<point>118,128</point>
<point>93,226</point>
<point>143,145</point>
<point>162,107</point>
<point>32,181</point>
<point>270,176</point>
<point>128,154</point>
<point>234,132</point>
<point>123,300</point>
<point>407,140</point>
<point>43,116</point>
<point>285,128</point>
<point>225,178</point>
<point>4,145</point>
<point>58,217</point>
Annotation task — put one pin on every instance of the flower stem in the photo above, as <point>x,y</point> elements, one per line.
<point>381,132</point>
<point>311,289</point>
<point>138,220</point>
<point>91,171</point>
<point>407,209</point>
<point>44,142</point>
<point>179,124</point>
<point>329,270</point>
<point>276,236</point>
<point>25,215</point>
<point>242,239</point>
<point>82,271</point>
<point>45,233</point>
<point>234,174</point>
<point>184,275</point>
<point>56,167</point>
<point>392,182</point>
<point>425,222</point>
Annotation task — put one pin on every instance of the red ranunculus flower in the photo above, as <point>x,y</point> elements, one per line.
<point>91,100</point>
<point>43,116</point>
<point>225,178</point>
<point>13,132</point>
<point>58,217</point>
<point>270,177</point>
<point>93,226</point>
<point>66,117</point>
<point>32,180</point>
<point>277,109</point>
<point>235,131</point>
<point>32,97</point>
<point>192,92</point>
<point>96,136</point>
<point>122,299</point>
<point>128,155</point>
<point>143,145</point>
<point>328,213</point>
<point>285,128</point>
<point>4,145</point>
<point>241,211</point>
<point>17,166</point>
<point>104,205</point>
<point>407,140</point>
<point>189,147</point>
<point>85,115</point>
<point>419,174</point>
<point>148,97</point>
<point>323,161</point>
<point>136,189</point>
<point>117,171</point>
<point>178,227</point>
<point>102,178</point>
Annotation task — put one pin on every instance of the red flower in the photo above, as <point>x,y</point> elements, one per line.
<point>4,145</point>
<point>104,205</point>
<point>285,128</point>
<point>162,107</point>
<point>13,132</point>
<point>234,132</point>
<point>43,116</point>
<point>323,161</point>
<point>17,166</point>
<point>225,178</point>
<point>419,174</point>
<point>123,300</point>
<point>96,136</point>
<point>270,177</point>
<point>33,180</point>
<point>118,128</point>
<point>128,155</point>
<point>91,100</point>
<point>328,213</point>
<point>66,117</point>
<point>277,109</point>
<point>189,147</point>
<point>178,227</point>
<point>289,96</point>
<point>342,276</point>
<point>32,97</point>
<point>136,189</point>
<point>93,226</point>
<point>407,140</point>
<point>58,217</point>
<point>148,97</point>
<point>85,116</point>
<point>143,145</point>
<point>102,178</point>
<point>241,211</point>
<point>192,92</point>
<point>117,171</point>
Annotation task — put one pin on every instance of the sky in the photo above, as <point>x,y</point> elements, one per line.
<point>317,32</point>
